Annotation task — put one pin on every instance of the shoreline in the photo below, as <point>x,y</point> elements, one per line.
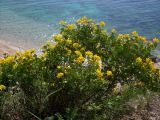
<point>6,47</point>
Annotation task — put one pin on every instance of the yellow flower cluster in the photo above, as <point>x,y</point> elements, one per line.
<point>2,87</point>
<point>76,45</point>
<point>134,34</point>
<point>70,27</point>
<point>123,36</point>
<point>99,73</point>
<point>18,53</point>
<point>80,59</point>
<point>142,39</point>
<point>8,59</point>
<point>120,36</point>
<point>156,40</point>
<point>60,75</point>
<point>69,41</point>
<point>61,22</point>
<point>147,62</point>
<point>59,67</point>
<point>82,21</point>
<point>78,53</point>
<point>69,52</point>
<point>58,37</point>
<point>113,30</point>
<point>96,58</point>
<point>90,20</point>
<point>109,73</point>
<point>102,23</point>
<point>89,54</point>
<point>27,53</point>
<point>139,60</point>
<point>126,36</point>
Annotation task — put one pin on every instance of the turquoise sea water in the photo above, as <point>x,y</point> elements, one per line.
<point>31,22</point>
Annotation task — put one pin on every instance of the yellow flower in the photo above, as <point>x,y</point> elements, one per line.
<point>18,53</point>
<point>60,75</point>
<point>33,50</point>
<point>154,67</point>
<point>102,23</point>
<point>59,67</point>
<point>76,45</point>
<point>84,18</point>
<point>148,60</point>
<point>99,73</point>
<point>9,59</point>
<point>89,54</point>
<point>69,41</point>
<point>109,73</point>
<point>27,53</point>
<point>58,37</point>
<point>135,34</point>
<point>61,22</point>
<point>96,58</point>
<point>53,46</point>
<point>139,60</point>
<point>78,53</point>
<point>2,60</point>
<point>113,30</point>
<point>127,36</point>
<point>151,63</point>
<point>2,87</point>
<point>79,59</point>
<point>70,26</point>
<point>120,36</point>
<point>69,52</point>
<point>82,21</point>
<point>156,40</point>
<point>142,39</point>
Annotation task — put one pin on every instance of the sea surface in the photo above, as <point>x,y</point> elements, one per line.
<point>32,22</point>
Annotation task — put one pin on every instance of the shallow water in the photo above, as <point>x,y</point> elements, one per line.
<point>31,22</point>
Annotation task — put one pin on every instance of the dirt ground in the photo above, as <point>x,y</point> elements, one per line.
<point>151,111</point>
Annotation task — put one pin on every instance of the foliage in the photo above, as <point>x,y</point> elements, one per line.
<point>78,70</point>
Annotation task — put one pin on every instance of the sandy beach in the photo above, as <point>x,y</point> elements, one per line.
<point>6,47</point>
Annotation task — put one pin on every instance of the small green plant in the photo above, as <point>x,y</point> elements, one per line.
<point>78,71</point>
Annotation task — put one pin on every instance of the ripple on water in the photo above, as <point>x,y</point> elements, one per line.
<point>35,20</point>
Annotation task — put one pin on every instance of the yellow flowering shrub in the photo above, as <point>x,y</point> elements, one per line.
<point>79,71</point>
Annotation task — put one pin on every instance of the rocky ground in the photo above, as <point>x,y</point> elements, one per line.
<point>145,109</point>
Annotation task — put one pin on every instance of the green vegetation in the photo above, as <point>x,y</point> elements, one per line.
<point>84,72</point>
